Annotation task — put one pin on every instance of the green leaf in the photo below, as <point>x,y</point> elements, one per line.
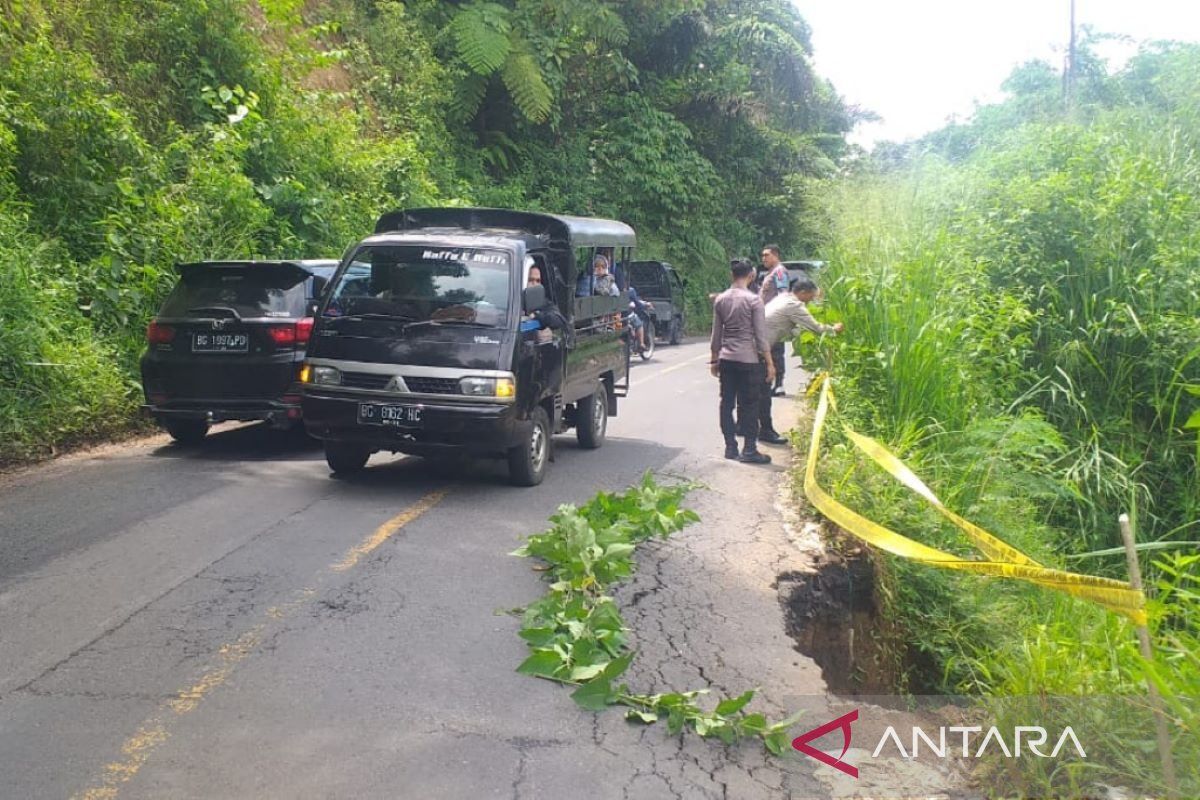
<point>618,550</point>
<point>1193,421</point>
<point>538,637</point>
<point>617,666</point>
<point>734,705</point>
<point>594,695</point>
<point>480,33</point>
<point>587,672</point>
<point>542,662</point>
<point>674,721</point>
<point>753,723</point>
<point>778,742</point>
<point>783,725</point>
<point>528,86</point>
<point>647,717</point>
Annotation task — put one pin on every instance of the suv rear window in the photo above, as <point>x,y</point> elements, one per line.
<point>250,291</point>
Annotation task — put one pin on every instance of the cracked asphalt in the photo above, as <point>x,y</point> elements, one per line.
<point>194,622</point>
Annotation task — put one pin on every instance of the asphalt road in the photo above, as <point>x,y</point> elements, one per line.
<point>229,621</point>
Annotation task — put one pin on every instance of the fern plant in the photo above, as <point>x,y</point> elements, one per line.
<point>488,42</point>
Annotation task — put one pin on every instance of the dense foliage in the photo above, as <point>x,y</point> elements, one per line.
<point>1022,301</point>
<point>138,133</point>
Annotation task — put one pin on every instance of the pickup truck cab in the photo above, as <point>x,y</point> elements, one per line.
<point>432,339</point>
<point>659,284</point>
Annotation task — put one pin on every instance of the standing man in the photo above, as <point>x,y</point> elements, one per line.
<point>739,349</point>
<point>787,315</point>
<point>774,283</point>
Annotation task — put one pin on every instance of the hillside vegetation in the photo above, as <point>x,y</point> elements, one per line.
<point>1021,296</point>
<point>135,134</point>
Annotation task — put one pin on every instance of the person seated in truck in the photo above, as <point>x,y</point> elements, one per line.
<point>547,317</point>
<point>603,283</point>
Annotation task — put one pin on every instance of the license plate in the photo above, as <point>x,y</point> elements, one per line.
<point>400,416</point>
<point>220,343</point>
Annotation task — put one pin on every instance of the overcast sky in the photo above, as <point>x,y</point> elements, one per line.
<point>917,62</point>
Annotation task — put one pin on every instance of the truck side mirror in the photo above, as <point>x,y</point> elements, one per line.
<point>533,298</point>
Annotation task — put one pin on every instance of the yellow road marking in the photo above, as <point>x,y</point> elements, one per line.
<point>154,731</point>
<point>388,529</point>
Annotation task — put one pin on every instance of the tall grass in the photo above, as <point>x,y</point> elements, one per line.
<point>1023,329</point>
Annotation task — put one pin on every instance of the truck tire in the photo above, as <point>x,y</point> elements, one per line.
<point>527,461</point>
<point>344,458</point>
<point>676,331</point>
<point>591,419</point>
<point>186,431</point>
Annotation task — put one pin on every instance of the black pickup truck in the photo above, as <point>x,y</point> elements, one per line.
<point>457,331</point>
<point>658,283</point>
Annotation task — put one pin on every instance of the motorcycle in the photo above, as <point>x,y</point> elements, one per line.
<point>631,338</point>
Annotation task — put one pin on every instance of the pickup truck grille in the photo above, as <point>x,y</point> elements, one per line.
<point>431,385</point>
<point>365,380</point>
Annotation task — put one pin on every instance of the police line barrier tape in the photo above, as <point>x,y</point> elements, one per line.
<point>1003,560</point>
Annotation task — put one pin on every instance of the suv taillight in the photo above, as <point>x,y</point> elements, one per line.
<point>304,330</point>
<point>291,335</point>
<point>159,334</point>
<point>282,335</point>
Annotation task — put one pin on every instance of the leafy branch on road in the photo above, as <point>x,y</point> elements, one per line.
<point>576,633</point>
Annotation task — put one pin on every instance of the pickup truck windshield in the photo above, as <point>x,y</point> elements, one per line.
<point>447,285</point>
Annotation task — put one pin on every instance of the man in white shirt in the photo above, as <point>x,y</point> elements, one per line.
<point>787,315</point>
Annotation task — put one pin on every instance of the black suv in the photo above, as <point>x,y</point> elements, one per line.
<point>657,282</point>
<point>228,343</point>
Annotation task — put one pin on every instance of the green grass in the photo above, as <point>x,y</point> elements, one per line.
<point>1022,328</point>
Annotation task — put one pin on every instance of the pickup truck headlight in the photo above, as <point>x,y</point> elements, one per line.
<point>487,387</point>
<point>326,376</point>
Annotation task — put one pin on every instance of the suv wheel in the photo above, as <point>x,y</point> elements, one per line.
<point>344,458</point>
<point>186,431</point>
<point>591,419</point>
<point>676,331</point>
<point>527,461</point>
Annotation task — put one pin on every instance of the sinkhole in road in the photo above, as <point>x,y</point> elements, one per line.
<point>832,615</point>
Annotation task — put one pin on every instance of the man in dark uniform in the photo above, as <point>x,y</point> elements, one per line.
<point>739,349</point>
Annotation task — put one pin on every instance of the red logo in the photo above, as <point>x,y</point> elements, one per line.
<point>801,743</point>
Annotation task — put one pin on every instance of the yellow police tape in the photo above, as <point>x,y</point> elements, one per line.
<point>1003,561</point>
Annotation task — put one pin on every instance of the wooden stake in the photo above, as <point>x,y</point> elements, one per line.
<point>1160,719</point>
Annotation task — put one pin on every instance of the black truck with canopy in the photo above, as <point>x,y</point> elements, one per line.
<point>457,331</point>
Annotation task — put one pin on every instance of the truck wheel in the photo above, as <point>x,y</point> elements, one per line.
<point>344,458</point>
<point>591,419</point>
<point>527,461</point>
<point>186,431</point>
<point>676,332</point>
